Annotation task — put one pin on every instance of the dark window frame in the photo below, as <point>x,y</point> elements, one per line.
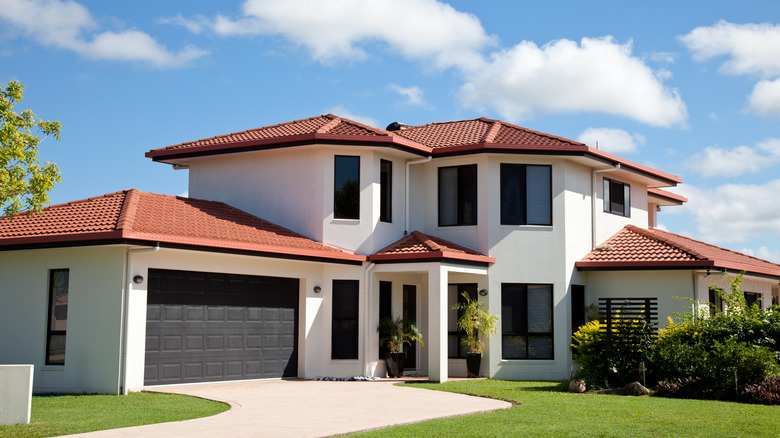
<point>385,309</point>
<point>622,192</point>
<point>386,191</point>
<point>754,298</point>
<point>521,330</point>
<point>521,199</point>
<point>466,191</point>
<point>52,316</point>
<point>346,205</point>
<point>345,324</point>
<point>715,300</point>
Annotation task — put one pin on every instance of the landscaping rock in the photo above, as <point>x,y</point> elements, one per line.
<point>636,388</point>
<point>577,386</point>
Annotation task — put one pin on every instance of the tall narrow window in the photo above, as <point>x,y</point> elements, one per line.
<point>346,190</point>
<point>752,298</point>
<point>577,307</point>
<point>526,194</point>
<point>385,309</point>
<point>526,321</point>
<point>458,195</point>
<point>385,191</point>
<point>455,348</point>
<point>617,197</point>
<point>716,303</point>
<point>344,333</point>
<point>58,316</point>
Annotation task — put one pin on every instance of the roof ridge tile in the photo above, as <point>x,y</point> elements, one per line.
<point>328,126</point>
<point>490,135</point>
<point>128,210</point>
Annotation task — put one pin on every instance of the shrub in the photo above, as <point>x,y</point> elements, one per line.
<point>766,392</point>
<point>685,387</point>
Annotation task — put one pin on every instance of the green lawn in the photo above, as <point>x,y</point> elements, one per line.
<point>542,411</point>
<point>67,414</point>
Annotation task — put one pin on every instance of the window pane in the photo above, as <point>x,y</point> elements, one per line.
<point>538,195</point>
<point>385,191</point>
<point>467,195</point>
<point>448,196</point>
<point>59,300</point>
<point>606,195</point>
<point>513,347</point>
<point>346,196</point>
<point>539,309</point>
<point>616,196</point>
<point>344,329</point>
<point>512,194</point>
<point>540,347</point>
<point>626,200</point>
<point>56,353</point>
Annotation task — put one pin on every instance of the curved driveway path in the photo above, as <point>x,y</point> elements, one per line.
<point>306,408</point>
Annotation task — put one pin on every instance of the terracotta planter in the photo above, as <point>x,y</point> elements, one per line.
<point>395,364</point>
<point>473,361</point>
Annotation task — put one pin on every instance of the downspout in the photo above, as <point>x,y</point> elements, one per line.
<point>366,308</point>
<point>123,314</point>
<point>593,243</point>
<point>406,191</point>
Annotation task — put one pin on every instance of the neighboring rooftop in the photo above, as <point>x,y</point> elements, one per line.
<point>417,246</point>
<point>640,248</point>
<point>132,216</point>
<point>435,139</point>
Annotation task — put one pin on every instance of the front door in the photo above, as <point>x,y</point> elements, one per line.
<point>410,313</point>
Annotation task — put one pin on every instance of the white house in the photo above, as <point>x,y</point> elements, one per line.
<point>298,237</point>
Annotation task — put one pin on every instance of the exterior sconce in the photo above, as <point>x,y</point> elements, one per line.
<point>483,292</point>
<point>138,279</point>
<point>317,289</point>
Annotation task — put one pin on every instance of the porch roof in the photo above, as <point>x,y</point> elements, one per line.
<point>641,248</point>
<point>419,247</point>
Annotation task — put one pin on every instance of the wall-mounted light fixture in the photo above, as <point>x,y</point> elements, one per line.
<point>138,279</point>
<point>317,289</point>
<point>483,292</point>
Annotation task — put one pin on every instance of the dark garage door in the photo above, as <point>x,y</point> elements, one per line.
<point>203,327</point>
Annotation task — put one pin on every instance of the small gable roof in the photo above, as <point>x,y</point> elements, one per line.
<point>132,216</point>
<point>434,139</point>
<point>417,247</point>
<point>640,248</point>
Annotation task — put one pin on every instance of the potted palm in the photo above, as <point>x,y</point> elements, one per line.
<point>393,334</point>
<point>478,324</point>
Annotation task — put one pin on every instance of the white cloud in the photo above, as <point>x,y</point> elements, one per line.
<point>64,24</point>
<point>751,48</point>
<point>597,75</point>
<point>413,95</point>
<point>612,140</point>
<point>716,162</point>
<point>735,212</point>
<point>765,98</point>
<point>763,253</point>
<point>199,24</point>
<point>342,111</point>
<point>335,30</point>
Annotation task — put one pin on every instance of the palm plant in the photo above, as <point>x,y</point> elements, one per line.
<point>394,333</point>
<point>476,322</point>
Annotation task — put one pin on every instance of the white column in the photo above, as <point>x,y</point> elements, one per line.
<point>437,325</point>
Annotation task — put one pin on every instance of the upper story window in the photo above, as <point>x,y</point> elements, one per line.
<point>385,191</point>
<point>58,316</point>
<point>617,197</point>
<point>526,194</point>
<point>458,195</point>
<point>346,187</point>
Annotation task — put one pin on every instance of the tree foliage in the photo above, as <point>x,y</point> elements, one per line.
<point>24,183</point>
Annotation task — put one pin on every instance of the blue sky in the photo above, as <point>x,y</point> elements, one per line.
<point>691,88</point>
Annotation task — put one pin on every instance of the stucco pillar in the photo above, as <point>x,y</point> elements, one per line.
<point>437,325</point>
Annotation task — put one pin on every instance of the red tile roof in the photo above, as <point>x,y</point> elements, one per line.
<point>443,138</point>
<point>417,246</point>
<point>640,248</point>
<point>140,216</point>
<point>668,196</point>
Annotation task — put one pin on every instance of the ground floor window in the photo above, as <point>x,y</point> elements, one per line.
<point>344,333</point>
<point>754,298</point>
<point>526,321</point>
<point>455,349</point>
<point>58,316</point>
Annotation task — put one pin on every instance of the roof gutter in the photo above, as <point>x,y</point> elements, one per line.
<point>406,191</point>
<point>122,389</point>
<point>594,172</point>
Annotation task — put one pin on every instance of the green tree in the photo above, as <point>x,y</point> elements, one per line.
<point>24,183</point>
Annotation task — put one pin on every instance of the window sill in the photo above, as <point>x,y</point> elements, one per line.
<point>526,227</point>
<point>345,222</point>
<point>346,361</point>
<point>46,368</point>
<point>527,361</point>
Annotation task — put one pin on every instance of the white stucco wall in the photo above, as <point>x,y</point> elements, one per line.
<point>93,329</point>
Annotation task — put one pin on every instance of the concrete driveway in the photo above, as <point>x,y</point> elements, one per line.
<point>305,408</point>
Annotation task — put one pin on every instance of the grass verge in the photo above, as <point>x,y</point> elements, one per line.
<point>542,411</point>
<point>68,414</point>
